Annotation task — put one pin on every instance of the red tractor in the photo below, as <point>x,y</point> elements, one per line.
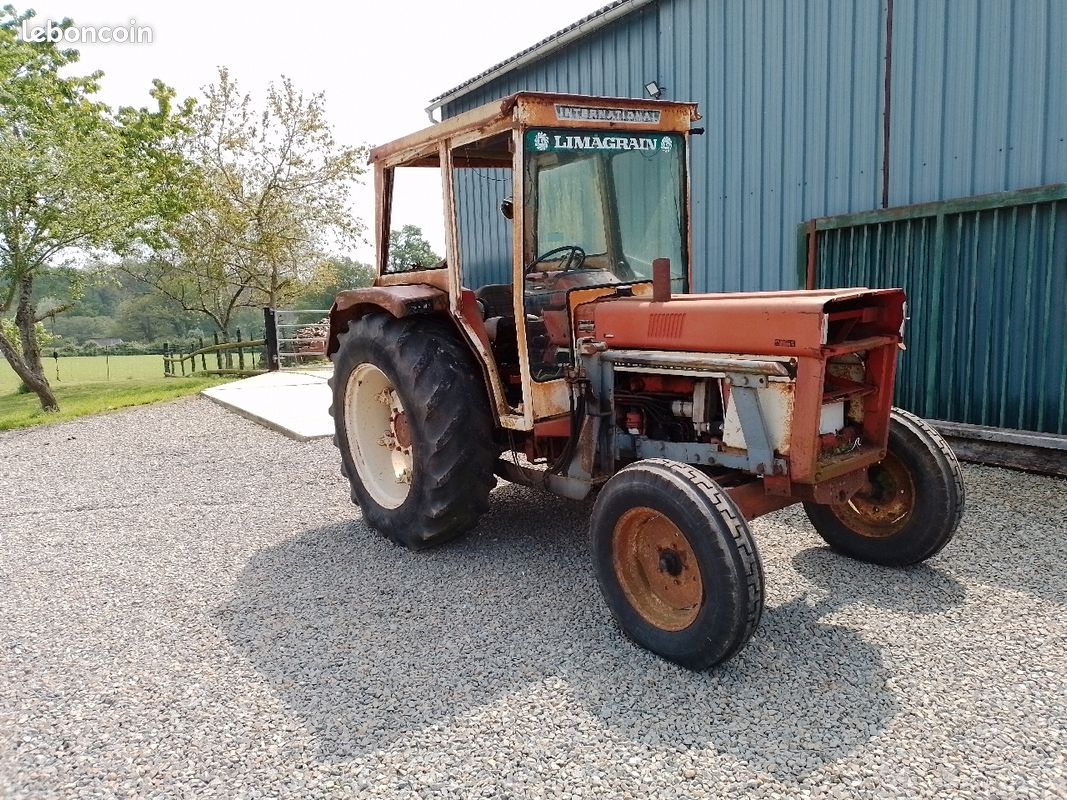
<point>591,371</point>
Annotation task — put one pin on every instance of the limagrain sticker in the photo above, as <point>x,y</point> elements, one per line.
<point>542,141</point>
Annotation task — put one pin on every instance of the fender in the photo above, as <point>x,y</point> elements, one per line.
<point>420,299</point>
<point>400,301</point>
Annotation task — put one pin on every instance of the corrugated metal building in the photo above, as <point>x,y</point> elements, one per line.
<point>817,108</point>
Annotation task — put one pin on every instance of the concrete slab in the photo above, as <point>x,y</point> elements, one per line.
<point>293,402</point>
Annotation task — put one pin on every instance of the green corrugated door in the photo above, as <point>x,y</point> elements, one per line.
<point>986,279</point>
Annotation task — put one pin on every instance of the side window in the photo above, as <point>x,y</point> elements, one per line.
<point>483,186</point>
<point>417,235</point>
<point>485,233</point>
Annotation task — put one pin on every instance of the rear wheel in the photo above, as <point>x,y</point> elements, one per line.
<point>911,507</point>
<point>676,563</point>
<point>413,427</point>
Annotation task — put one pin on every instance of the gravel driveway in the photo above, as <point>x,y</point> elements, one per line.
<point>190,606</point>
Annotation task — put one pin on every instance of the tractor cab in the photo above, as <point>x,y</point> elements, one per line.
<point>579,196</point>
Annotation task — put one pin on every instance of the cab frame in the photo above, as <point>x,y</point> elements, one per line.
<point>461,142</point>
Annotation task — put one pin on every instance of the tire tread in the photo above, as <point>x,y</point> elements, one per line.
<point>442,380</point>
<point>927,536</point>
<point>742,583</point>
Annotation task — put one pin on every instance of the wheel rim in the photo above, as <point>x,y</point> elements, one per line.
<point>379,435</point>
<point>657,569</point>
<point>885,506</point>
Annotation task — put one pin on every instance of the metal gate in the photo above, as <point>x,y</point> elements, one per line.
<point>296,338</point>
<point>986,279</point>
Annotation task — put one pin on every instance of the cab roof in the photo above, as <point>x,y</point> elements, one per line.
<point>533,109</point>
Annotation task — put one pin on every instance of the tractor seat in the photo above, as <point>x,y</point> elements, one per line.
<point>495,300</point>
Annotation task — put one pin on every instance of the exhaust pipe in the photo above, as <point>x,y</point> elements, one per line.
<point>661,280</point>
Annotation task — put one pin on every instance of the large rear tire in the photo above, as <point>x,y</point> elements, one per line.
<point>912,506</point>
<point>676,563</point>
<point>412,422</point>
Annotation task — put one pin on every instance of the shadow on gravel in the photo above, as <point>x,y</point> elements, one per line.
<point>366,642</point>
<point>802,693</point>
<point>921,589</point>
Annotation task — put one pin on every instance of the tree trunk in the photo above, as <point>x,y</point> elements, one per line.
<point>37,383</point>
<point>27,365</point>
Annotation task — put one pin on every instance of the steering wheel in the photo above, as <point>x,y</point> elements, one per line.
<point>574,260</point>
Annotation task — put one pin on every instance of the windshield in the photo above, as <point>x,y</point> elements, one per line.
<point>600,207</point>
<point>618,196</point>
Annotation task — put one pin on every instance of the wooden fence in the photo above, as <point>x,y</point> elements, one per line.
<point>224,357</point>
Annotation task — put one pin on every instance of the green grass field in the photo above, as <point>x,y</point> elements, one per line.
<point>89,369</point>
<point>84,387</point>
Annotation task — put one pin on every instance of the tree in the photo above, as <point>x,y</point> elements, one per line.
<point>334,277</point>
<point>77,327</point>
<point>74,175</point>
<point>273,205</point>
<point>408,247</point>
<point>149,317</point>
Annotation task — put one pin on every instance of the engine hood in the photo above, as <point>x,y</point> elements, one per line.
<point>765,323</point>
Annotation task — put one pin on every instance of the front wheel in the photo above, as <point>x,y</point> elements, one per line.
<point>912,504</point>
<point>676,563</point>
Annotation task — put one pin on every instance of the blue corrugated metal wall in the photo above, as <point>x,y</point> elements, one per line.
<point>979,97</point>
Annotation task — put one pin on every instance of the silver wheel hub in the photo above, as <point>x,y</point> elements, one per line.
<point>379,437</point>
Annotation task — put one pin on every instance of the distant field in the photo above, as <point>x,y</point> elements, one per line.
<point>84,387</point>
<point>88,369</point>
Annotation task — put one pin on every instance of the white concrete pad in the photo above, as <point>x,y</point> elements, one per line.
<point>293,402</point>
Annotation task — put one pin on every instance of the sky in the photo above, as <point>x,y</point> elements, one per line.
<point>379,63</point>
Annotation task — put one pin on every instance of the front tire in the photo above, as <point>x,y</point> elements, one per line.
<point>413,426</point>
<point>912,507</point>
<point>676,563</point>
